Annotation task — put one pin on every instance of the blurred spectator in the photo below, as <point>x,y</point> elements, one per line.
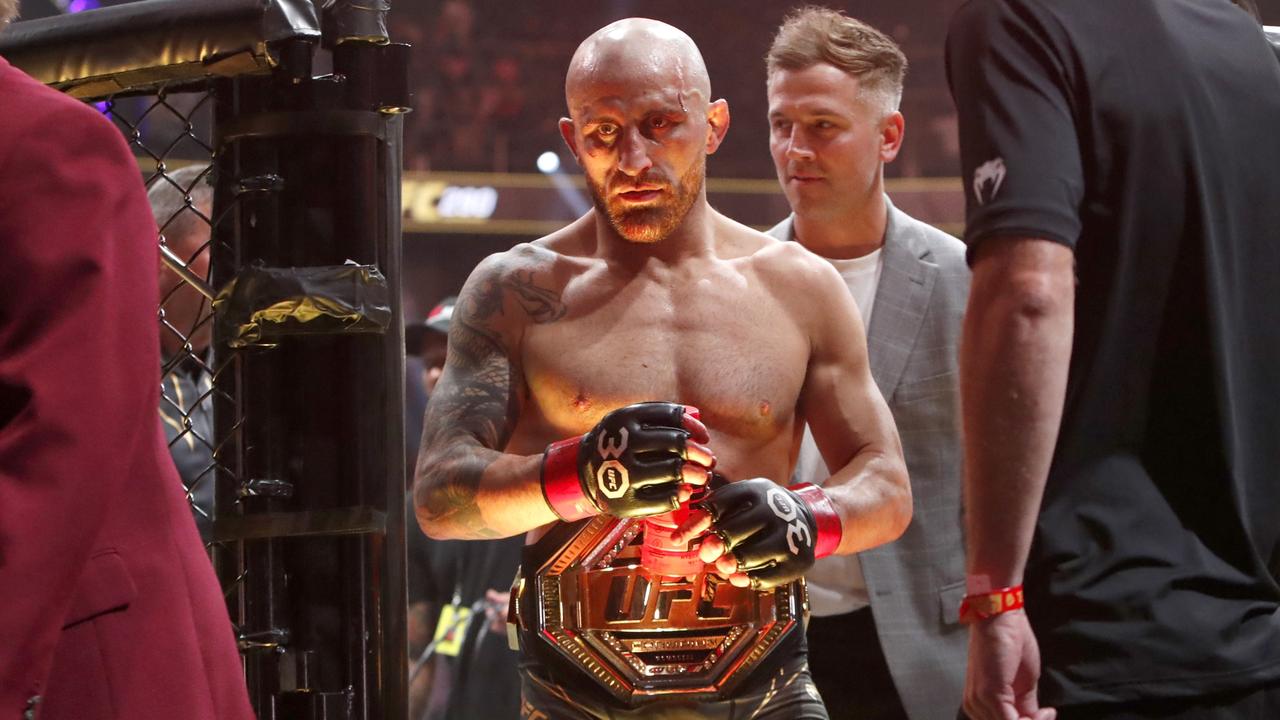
<point>455,24</point>
<point>182,203</point>
<point>430,341</point>
<point>502,103</point>
<point>460,131</point>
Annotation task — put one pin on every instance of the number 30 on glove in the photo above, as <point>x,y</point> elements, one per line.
<point>639,460</point>
<point>774,533</point>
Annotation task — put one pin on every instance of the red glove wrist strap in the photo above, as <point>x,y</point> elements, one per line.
<point>980,606</point>
<point>830,530</point>
<point>560,486</point>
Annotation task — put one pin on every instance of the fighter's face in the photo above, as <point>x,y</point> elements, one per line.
<point>828,140</point>
<point>643,150</point>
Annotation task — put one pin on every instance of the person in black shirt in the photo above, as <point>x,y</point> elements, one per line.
<point>1120,362</point>
<point>472,673</point>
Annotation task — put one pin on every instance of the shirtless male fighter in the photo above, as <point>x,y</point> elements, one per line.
<point>651,332</point>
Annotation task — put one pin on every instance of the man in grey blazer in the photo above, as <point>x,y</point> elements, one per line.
<point>884,638</point>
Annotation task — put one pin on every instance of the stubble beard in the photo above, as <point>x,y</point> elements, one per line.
<point>654,223</point>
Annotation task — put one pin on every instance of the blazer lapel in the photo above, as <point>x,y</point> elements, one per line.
<point>902,297</point>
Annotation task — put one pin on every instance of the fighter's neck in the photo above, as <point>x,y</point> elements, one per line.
<point>848,235</point>
<point>694,237</point>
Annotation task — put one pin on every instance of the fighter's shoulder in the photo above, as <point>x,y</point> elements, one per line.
<point>575,240</point>
<point>546,255</point>
<point>789,265</point>
<point>764,251</point>
<point>529,275</point>
<point>519,258</point>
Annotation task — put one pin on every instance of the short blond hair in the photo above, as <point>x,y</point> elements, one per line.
<point>812,35</point>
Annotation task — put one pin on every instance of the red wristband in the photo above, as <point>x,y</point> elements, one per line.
<point>830,530</point>
<point>560,486</point>
<point>980,606</point>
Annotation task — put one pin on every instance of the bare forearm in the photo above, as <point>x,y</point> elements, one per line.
<point>468,492</point>
<point>1013,370</point>
<point>873,498</point>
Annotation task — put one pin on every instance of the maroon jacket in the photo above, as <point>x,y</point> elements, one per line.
<point>108,605</point>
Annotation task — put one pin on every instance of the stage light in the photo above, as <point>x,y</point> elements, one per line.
<point>548,162</point>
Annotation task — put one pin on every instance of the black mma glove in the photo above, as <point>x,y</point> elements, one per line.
<point>630,465</point>
<point>775,533</point>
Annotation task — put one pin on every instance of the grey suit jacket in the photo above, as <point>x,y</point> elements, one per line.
<point>916,583</point>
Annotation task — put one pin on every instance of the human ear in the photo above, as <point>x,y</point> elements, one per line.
<point>891,132</point>
<point>718,124</point>
<point>569,134</point>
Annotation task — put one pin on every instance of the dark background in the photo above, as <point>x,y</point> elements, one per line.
<point>487,81</point>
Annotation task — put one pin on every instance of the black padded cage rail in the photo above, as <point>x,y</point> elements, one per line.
<point>283,368</point>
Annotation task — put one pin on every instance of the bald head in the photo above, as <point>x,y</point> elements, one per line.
<point>635,50</point>
<point>641,124</point>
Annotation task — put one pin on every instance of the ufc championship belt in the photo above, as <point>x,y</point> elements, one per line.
<point>643,616</point>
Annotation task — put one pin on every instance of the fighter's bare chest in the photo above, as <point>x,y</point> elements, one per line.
<point>731,350</point>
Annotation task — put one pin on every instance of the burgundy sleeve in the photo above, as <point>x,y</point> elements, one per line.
<point>79,358</point>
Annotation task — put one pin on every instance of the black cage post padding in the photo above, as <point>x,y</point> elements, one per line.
<point>347,20</point>
<point>310,169</point>
<point>131,47</point>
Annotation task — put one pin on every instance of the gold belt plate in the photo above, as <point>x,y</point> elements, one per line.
<point>645,636</point>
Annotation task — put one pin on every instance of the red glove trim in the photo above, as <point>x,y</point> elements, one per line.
<point>830,530</point>
<point>560,486</point>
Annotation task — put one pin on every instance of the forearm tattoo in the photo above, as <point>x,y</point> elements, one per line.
<point>473,410</point>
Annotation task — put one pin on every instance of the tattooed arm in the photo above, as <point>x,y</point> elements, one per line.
<point>465,486</point>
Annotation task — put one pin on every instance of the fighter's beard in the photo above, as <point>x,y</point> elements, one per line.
<point>653,223</point>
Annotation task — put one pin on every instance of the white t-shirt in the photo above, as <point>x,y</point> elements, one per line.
<point>836,585</point>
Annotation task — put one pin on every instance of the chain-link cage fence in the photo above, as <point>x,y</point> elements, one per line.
<point>170,135</point>
<point>275,192</point>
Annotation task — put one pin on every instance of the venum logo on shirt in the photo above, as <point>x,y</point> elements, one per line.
<point>987,180</point>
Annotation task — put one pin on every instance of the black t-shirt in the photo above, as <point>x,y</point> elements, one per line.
<point>1145,135</point>
<point>481,670</point>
